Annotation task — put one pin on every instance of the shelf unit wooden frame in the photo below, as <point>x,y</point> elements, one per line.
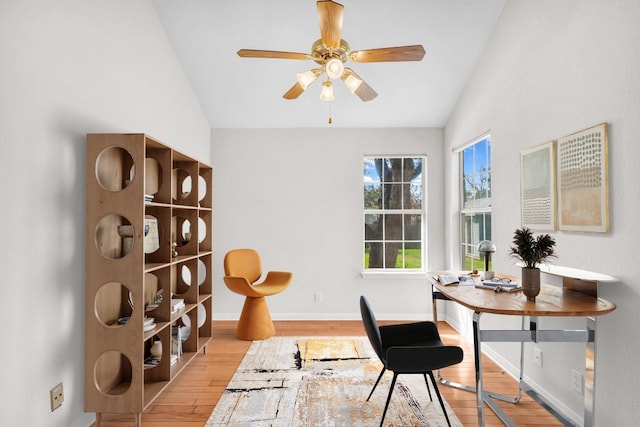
<point>123,279</point>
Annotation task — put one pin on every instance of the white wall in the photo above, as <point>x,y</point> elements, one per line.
<point>296,197</point>
<point>553,68</point>
<point>69,67</point>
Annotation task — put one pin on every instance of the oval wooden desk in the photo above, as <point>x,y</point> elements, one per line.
<point>560,301</point>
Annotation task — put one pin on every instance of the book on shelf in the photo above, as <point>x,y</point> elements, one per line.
<point>151,362</point>
<point>177,332</point>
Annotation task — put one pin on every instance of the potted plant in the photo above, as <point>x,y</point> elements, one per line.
<point>531,251</point>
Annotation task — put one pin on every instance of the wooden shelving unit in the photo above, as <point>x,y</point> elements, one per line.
<point>148,242</point>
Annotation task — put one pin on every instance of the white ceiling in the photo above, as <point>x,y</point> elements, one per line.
<point>247,93</point>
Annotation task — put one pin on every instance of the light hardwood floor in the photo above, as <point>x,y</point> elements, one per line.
<point>189,400</point>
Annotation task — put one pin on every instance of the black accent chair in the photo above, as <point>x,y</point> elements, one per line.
<point>411,348</point>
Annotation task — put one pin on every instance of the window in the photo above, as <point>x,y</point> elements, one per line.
<point>475,190</point>
<point>394,213</point>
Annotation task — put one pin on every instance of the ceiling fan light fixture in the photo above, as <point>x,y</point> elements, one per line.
<point>327,92</point>
<point>306,78</point>
<point>334,68</point>
<point>352,82</point>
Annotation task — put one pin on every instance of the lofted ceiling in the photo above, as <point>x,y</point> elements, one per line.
<point>247,92</point>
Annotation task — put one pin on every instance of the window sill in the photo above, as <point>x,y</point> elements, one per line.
<point>393,275</point>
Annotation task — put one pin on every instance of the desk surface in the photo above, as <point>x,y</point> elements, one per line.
<point>552,300</point>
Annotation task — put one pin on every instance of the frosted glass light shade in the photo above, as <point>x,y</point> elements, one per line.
<point>334,68</point>
<point>306,78</point>
<point>352,82</point>
<point>327,91</point>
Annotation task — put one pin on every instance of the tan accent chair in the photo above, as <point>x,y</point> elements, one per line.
<point>242,269</point>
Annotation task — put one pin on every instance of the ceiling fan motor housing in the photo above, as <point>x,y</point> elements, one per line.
<point>321,53</point>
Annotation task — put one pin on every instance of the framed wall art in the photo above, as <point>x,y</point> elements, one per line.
<point>537,187</point>
<point>583,181</point>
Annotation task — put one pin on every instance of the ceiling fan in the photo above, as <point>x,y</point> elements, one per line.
<point>331,52</point>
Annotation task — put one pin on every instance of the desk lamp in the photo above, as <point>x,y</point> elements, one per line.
<point>487,247</point>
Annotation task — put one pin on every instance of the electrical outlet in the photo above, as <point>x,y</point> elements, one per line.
<point>57,397</point>
<point>317,297</point>
<point>537,357</point>
<point>576,381</point>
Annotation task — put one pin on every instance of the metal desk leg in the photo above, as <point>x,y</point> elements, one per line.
<point>477,353</point>
<point>590,377</point>
<point>435,296</point>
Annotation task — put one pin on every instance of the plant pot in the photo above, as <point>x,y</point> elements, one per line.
<point>531,282</point>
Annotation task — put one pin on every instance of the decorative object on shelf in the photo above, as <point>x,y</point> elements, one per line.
<point>151,236</point>
<point>177,304</point>
<point>156,349</point>
<point>486,248</point>
<point>149,324</point>
<point>126,232</point>
<point>531,251</point>
<point>537,187</point>
<point>583,182</point>
<point>186,238</point>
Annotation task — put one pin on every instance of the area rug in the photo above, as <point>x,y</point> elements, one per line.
<point>321,381</point>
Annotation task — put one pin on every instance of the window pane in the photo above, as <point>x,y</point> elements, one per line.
<point>373,227</point>
<point>392,227</point>
<point>413,227</point>
<point>393,257</point>
<point>476,175</point>
<point>467,161</point>
<point>371,170</point>
<point>415,191</point>
<point>412,255</point>
<point>411,169</point>
<point>392,195</point>
<point>372,195</point>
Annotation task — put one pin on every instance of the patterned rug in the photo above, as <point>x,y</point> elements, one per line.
<point>321,381</point>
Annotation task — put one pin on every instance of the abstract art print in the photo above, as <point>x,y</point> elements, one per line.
<point>537,187</point>
<point>583,197</point>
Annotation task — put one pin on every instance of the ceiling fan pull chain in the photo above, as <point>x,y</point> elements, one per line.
<point>330,121</point>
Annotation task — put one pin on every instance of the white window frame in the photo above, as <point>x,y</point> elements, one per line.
<point>403,271</point>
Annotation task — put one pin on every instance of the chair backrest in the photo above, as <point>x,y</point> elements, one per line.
<point>243,263</point>
<point>371,326</point>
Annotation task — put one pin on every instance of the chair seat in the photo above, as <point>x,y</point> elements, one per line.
<point>275,282</point>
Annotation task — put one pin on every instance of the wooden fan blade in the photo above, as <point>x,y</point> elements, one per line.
<point>253,53</point>
<point>330,16</point>
<point>364,91</point>
<point>295,91</point>
<point>389,54</point>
